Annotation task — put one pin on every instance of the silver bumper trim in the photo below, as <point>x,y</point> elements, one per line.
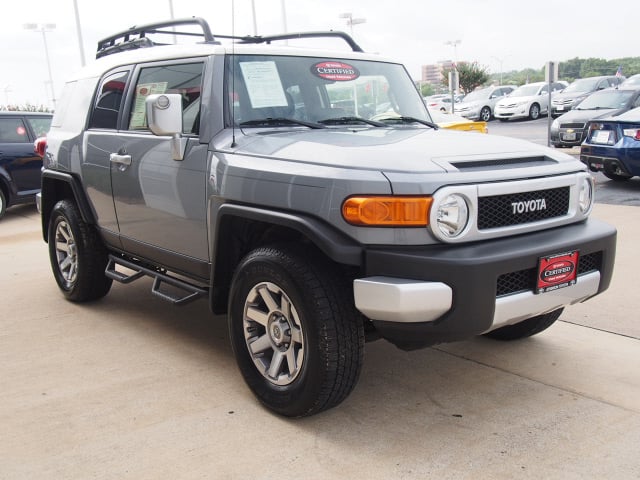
<point>512,309</point>
<point>401,300</point>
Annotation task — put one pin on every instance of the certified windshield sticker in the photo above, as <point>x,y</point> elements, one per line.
<point>335,71</point>
<point>263,84</point>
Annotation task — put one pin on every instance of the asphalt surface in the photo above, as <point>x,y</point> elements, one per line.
<point>131,388</point>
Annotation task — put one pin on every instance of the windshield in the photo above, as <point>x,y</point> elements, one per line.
<point>318,89</point>
<point>582,85</point>
<point>605,99</point>
<point>525,91</point>
<point>632,81</point>
<point>477,95</point>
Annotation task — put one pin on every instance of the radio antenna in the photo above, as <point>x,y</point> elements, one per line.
<point>231,100</point>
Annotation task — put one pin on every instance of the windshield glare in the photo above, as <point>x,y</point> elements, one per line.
<point>477,95</point>
<point>582,85</point>
<point>525,91</point>
<point>315,89</point>
<point>608,99</point>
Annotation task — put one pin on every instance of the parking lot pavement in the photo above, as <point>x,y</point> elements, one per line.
<point>130,388</point>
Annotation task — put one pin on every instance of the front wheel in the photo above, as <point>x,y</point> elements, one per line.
<point>296,335</point>
<point>485,114</point>
<point>78,257</point>
<point>526,328</point>
<point>534,111</point>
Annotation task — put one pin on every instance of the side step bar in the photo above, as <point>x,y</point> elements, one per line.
<point>191,292</point>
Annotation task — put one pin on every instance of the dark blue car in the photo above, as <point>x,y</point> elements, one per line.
<point>20,164</point>
<point>612,146</point>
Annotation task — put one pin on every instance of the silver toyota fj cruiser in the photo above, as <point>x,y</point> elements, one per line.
<point>307,194</point>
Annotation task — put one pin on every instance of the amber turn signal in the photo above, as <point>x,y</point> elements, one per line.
<point>392,211</point>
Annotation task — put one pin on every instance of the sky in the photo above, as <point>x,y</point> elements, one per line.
<point>501,35</point>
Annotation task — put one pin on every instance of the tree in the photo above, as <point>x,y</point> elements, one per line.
<point>426,89</point>
<point>470,75</point>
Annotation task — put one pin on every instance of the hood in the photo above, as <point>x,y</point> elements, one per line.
<point>408,150</point>
<point>570,95</point>
<point>586,115</point>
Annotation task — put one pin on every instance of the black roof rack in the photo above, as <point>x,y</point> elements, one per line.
<point>292,36</point>
<point>123,41</point>
<point>136,36</point>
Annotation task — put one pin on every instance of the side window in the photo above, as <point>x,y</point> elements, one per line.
<point>545,90</point>
<point>40,126</point>
<point>13,130</point>
<point>109,101</point>
<point>184,79</point>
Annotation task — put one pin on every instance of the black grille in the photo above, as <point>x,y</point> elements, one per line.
<point>518,208</point>
<point>572,125</point>
<point>525,280</point>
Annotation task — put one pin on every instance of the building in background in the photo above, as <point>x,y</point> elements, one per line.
<point>433,73</point>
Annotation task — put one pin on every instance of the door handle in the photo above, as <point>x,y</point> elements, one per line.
<point>121,159</point>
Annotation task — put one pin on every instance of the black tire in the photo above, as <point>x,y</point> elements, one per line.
<point>3,203</point>
<point>534,111</point>
<point>297,310</point>
<point>485,114</point>
<point>77,255</point>
<point>526,328</point>
<point>616,177</point>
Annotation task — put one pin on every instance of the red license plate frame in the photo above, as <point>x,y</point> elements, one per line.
<point>557,271</point>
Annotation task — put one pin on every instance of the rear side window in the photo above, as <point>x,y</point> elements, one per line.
<point>13,130</point>
<point>40,126</point>
<point>184,79</point>
<point>108,103</point>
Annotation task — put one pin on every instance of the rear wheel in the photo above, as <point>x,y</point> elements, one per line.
<point>617,177</point>
<point>485,114</point>
<point>526,328</point>
<point>78,257</point>
<point>534,111</point>
<point>296,335</point>
<point>3,203</point>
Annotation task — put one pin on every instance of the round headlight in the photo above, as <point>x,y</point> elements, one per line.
<point>585,197</point>
<point>452,215</point>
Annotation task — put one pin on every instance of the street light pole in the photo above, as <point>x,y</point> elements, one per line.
<point>79,30</point>
<point>453,75</point>
<point>44,28</point>
<point>352,21</point>
<point>454,44</point>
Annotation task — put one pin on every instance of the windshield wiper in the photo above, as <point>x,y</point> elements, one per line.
<point>279,121</point>
<point>351,119</point>
<point>394,119</point>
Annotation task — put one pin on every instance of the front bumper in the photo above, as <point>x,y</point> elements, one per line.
<point>567,137</point>
<point>512,112</point>
<point>470,114</point>
<point>418,297</point>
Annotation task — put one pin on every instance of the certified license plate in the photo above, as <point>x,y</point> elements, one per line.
<point>560,108</point>
<point>557,271</point>
<point>601,136</point>
<point>568,136</point>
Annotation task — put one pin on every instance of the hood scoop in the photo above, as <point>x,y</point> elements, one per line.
<point>493,164</point>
